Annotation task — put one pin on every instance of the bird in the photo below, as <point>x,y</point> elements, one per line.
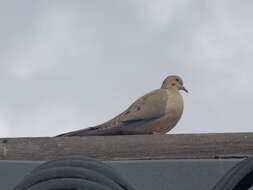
<point>156,112</point>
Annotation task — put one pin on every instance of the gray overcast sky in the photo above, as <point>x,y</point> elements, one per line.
<point>66,65</point>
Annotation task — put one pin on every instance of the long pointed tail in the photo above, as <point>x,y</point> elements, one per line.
<point>94,131</point>
<point>98,131</point>
<point>82,132</point>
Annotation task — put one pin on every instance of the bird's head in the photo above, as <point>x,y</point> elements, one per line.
<point>174,81</point>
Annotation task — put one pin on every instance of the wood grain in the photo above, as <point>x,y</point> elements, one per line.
<point>138,147</point>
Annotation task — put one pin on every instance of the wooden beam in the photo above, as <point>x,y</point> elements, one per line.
<point>172,146</point>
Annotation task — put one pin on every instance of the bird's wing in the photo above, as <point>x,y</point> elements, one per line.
<point>150,106</point>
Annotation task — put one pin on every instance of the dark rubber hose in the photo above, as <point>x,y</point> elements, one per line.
<point>76,167</point>
<point>90,164</point>
<point>66,172</point>
<point>69,158</point>
<point>68,184</point>
<point>100,167</point>
<point>239,177</point>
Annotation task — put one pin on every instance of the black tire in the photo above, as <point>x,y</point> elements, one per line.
<point>68,184</point>
<point>76,167</point>
<point>239,177</point>
<point>69,160</point>
<point>69,173</point>
<point>90,164</point>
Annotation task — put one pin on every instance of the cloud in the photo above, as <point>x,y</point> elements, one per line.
<point>161,13</point>
<point>54,37</point>
<point>71,65</point>
<point>4,126</point>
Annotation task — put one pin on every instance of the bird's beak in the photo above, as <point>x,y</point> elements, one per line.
<point>184,89</point>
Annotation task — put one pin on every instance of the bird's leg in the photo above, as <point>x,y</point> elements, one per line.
<point>157,133</point>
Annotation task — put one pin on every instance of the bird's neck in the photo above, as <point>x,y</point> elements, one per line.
<point>171,88</point>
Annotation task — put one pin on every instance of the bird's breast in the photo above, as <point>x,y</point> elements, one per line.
<point>174,105</point>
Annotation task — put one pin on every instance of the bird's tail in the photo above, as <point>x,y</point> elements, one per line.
<point>101,131</point>
<point>82,132</point>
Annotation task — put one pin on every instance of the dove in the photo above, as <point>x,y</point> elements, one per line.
<point>154,113</point>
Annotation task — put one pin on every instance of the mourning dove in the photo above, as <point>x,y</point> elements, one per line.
<point>154,113</point>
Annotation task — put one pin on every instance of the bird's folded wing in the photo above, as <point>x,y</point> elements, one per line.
<point>150,106</point>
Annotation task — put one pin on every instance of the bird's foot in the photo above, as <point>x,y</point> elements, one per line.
<point>157,133</point>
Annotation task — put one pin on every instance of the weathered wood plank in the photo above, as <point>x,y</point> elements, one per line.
<point>172,146</point>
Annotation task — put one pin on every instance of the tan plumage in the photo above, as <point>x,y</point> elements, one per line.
<point>154,113</point>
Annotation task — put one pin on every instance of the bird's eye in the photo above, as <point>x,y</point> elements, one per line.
<point>177,80</point>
